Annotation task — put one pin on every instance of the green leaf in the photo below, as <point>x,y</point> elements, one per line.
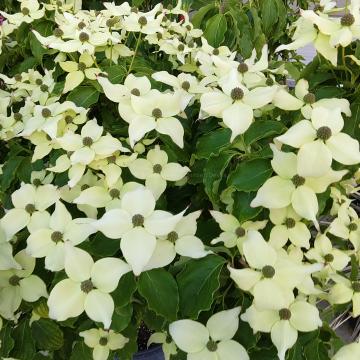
<point>84,96</point>
<point>269,15</point>
<point>100,245</point>
<point>9,171</point>
<point>212,143</point>
<point>116,73</point>
<point>6,341</point>
<point>28,63</point>
<point>199,16</point>
<point>25,345</point>
<point>215,30</point>
<point>160,290</point>
<point>241,207</point>
<point>261,129</point>
<point>81,352</point>
<point>121,317</point>
<point>47,334</point>
<point>213,174</point>
<point>45,29</point>
<point>352,125</point>
<point>250,175</point>
<point>198,282</point>
<point>126,288</point>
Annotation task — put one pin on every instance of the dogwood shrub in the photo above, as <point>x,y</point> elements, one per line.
<point>152,175</point>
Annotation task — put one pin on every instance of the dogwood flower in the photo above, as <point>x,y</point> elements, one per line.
<point>137,224</point>
<point>211,342</point>
<point>77,72</point>
<point>87,287</point>
<point>345,291</point>
<point>168,346</point>
<point>287,187</point>
<point>321,136</point>
<point>269,271</point>
<point>156,170</point>
<point>30,203</point>
<point>102,341</point>
<point>7,260</point>
<point>19,284</point>
<point>348,352</point>
<point>288,227</point>
<point>306,101</point>
<point>234,233</point>
<point>30,11</point>
<point>49,241</point>
<point>235,103</point>
<point>347,225</point>
<point>284,324</point>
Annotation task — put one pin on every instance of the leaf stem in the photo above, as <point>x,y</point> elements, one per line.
<point>135,53</point>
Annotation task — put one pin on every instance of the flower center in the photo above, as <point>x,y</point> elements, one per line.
<point>309,98</point>
<point>269,82</point>
<point>58,32</point>
<point>114,193</point>
<point>82,66</point>
<point>84,37</point>
<point>103,341</point>
<point>14,280</point>
<point>68,119</point>
<point>157,113</point>
<point>135,92</point>
<point>30,208</point>
<point>45,112</point>
<point>285,314</point>
<point>86,286</point>
<point>84,187</point>
<point>44,88</point>
<point>172,236</point>
<point>211,346</point>
<point>237,94</point>
<point>181,47</point>
<point>356,286</point>
<point>25,11</point>
<point>17,116</point>
<point>38,82</point>
<point>268,271</point>
<point>324,133</point>
<point>347,20</point>
<point>81,25</point>
<point>138,220</point>
<point>216,52</point>
<point>112,22</point>
<point>290,223</point>
<point>329,258</point>
<point>157,168</point>
<point>298,180</point>
<point>242,68</point>
<point>56,236</point>
<point>142,20</point>
<point>240,231</point>
<point>18,77</point>
<point>87,141</point>
<point>36,182</point>
<point>185,85</point>
<point>353,227</point>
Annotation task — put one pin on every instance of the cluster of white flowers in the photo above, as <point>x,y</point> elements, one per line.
<point>286,275</point>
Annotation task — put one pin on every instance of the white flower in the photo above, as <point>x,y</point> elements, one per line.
<point>30,203</point>
<point>213,342</point>
<point>285,323</point>
<point>7,260</point>
<point>156,170</point>
<point>348,352</point>
<point>49,241</point>
<point>235,103</point>
<point>30,11</point>
<point>19,284</point>
<point>137,224</point>
<point>168,346</point>
<point>102,341</point>
<point>87,287</point>
<point>320,141</point>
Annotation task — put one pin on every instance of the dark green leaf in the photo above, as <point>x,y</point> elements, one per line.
<point>269,15</point>
<point>261,129</point>
<point>81,352</point>
<point>198,282</point>
<point>116,73</point>
<point>25,346</point>
<point>199,16</point>
<point>241,208</point>
<point>121,317</point>
<point>213,173</point>
<point>84,96</point>
<point>250,175</point>
<point>100,245</point>
<point>47,334</point>
<point>9,171</point>
<point>6,341</point>
<point>215,30</point>
<point>45,29</point>
<point>212,143</point>
<point>126,288</point>
<point>160,290</point>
